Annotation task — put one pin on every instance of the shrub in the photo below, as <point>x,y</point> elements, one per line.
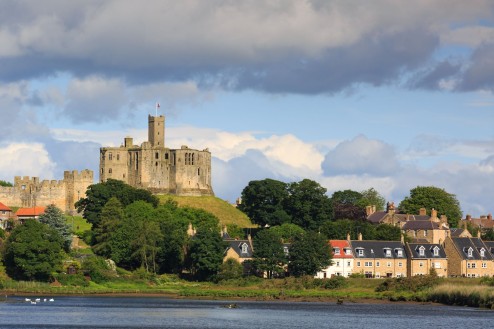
<point>335,283</point>
<point>97,269</point>
<point>414,283</point>
<point>77,280</point>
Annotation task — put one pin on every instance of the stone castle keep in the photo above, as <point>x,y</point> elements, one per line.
<point>154,167</point>
<point>30,191</point>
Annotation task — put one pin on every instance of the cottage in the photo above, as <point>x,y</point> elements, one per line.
<point>29,213</point>
<point>5,215</point>
<point>422,257</point>
<point>342,264</point>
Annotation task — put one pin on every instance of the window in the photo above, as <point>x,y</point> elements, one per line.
<point>368,264</point>
<point>421,251</point>
<point>435,251</point>
<point>358,264</point>
<point>388,264</point>
<point>399,252</point>
<point>387,252</point>
<point>109,171</point>
<point>156,155</point>
<point>348,263</point>
<point>336,251</point>
<point>378,263</point>
<point>470,252</point>
<point>471,265</point>
<point>348,251</point>
<point>437,265</point>
<point>244,248</point>
<point>400,264</point>
<point>484,265</point>
<point>360,252</point>
<point>368,274</point>
<point>118,157</point>
<point>198,171</point>
<point>110,156</point>
<point>482,252</point>
<point>338,263</point>
<point>166,156</point>
<point>421,264</point>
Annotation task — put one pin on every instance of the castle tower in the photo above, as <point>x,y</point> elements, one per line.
<point>156,131</point>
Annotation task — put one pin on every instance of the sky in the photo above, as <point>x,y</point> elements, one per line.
<point>385,94</point>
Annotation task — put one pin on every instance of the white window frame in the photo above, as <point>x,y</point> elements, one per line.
<point>336,251</point>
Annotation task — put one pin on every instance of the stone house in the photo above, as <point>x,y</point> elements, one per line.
<point>29,213</point>
<point>342,263</point>
<point>468,257</point>
<point>422,257</point>
<point>484,222</point>
<point>5,215</point>
<point>377,259</point>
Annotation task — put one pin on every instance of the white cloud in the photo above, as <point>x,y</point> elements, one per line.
<point>23,159</point>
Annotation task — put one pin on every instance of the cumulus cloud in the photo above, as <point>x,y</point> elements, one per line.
<point>361,156</point>
<point>25,159</point>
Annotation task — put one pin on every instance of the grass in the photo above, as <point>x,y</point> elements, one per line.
<point>77,224</point>
<point>465,294</point>
<point>225,212</point>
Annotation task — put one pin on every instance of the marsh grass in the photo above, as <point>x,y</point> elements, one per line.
<point>463,295</point>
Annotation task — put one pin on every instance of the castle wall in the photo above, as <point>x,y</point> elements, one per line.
<point>157,168</point>
<point>30,191</point>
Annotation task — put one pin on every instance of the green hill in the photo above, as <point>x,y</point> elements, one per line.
<point>226,213</point>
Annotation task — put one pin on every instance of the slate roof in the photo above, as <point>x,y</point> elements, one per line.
<point>4,207</point>
<point>456,232</point>
<point>420,225</point>
<point>463,245</point>
<point>236,245</point>
<point>379,216</point>
<point>413,250</point>
<point>490,246</point>
<point>377,249</point>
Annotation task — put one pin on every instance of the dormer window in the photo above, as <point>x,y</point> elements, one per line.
<point>421,251</point>
<point>336,251</point>
<point>399,252</point>
<point>482,252</point>
<point>435,251</point>
<point>244,248</point>
<point>387,252</point>
<point>470,252</point>
<point>348,251</point>
<point>360,252</point>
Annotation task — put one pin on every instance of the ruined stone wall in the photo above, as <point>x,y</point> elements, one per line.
<point>30,191</point>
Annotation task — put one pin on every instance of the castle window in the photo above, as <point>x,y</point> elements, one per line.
<point>109,171</point>
<point>110,156</point>
<point>166,156</point>
<point>156,164</point>
<point>198,171</point>
<point>192,162</point>
<point>23,187</point>
<point>156,155</point>
<point>118,157</point>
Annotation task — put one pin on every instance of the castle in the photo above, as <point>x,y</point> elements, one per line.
<point>31,192</point>
<point>154,167</point>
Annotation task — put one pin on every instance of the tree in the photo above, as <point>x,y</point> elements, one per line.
<point>307,204</point>
<point>269,257</point>
<point>263,201</point>
<point>347,204</point>
<point>5,184</point>
<point>111,214</point>
<point>33,251</point>
<point>338,230</point>
<point>287,232</point>
<point>309,253</point>
<point>97,195</point>
<point>55,218</point>
<point>230,269</point>
<point>387,232</point>
<point>488,235</point>
<point>430,197</point>
<point>371,197</point>
<point>206,253</point>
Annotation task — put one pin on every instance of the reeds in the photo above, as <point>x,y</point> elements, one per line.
<point>463,295</point>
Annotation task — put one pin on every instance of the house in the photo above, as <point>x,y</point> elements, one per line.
<point>377,259</point>
<point>459,233</point>
<point>240,250</point>
<point>422,257</point>
<point>5,215</point>
<point>424,230</point>
<point>468,257</point>
<point>484,222</point>
<point>342,263</point>
<point>29,213</point>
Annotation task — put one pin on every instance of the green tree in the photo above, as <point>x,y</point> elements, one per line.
<point>371,197</point>
<point>387,232</point>
<point>33,251</point>
<point>269,257</point>
<point>287,231</point>
<point>307,204</point>
<point>309,253</point>
<point>263,201</point>
<point>488,235</point>
<point>347,204</point>
<point>111,214</point>
<point>339,229</point>
<point>429,197</point>
<point>231,269</point>
<point>55,218</point>
<point>206,253</point>
<point>97,195</point>
<point>5,184</point>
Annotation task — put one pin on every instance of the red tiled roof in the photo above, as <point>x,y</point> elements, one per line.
<point>4,207</point>
<point>33,211</point>
<point>340,244</point>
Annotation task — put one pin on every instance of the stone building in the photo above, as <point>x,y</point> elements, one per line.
<point>154,167</point>
<point>30,192</point>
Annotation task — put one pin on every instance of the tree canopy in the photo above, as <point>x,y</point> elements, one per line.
<point>97,195</point>
<point>54,217</point>
<point>269,257</point>
<point>33,251</point>
<point>5,183</point>
<point>309,253</point>
<point>430,197</point>
<point>206,253</point>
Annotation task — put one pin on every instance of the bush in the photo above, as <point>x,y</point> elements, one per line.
<point>335,283</point>
<point>97,269</point>
<point>414,283</point>
<point>77,280</point>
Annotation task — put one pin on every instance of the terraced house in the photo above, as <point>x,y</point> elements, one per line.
<point>422,257</point>
<point>468,257</point>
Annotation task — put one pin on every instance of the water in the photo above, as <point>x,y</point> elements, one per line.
<point>155,312</point>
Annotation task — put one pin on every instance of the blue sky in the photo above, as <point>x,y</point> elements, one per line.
<point>352,94</point>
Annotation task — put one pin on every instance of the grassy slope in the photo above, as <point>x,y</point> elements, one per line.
<point>226,213</point>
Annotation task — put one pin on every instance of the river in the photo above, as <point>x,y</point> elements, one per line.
<point>157,312</point>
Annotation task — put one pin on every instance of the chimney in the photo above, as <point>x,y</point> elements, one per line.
<point>249,238</point>
<point>434,213</point>
<point>348,236</point>
<point>191,230</point>
<point>478,234</point>
<point>360,236</point>
<point>402,239</point>
<point>390,208</point>
<point>489,217</point>
<point>469,217</point>
<point>422,212</point>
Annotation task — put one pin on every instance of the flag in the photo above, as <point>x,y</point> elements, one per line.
<point>157,105</point>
